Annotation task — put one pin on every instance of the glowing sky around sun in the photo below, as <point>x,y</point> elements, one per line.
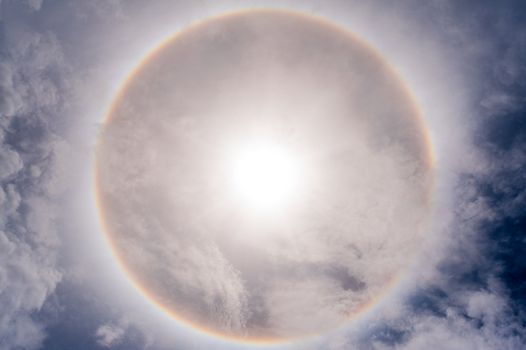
<point>265,176</point>
<point>254,184</point>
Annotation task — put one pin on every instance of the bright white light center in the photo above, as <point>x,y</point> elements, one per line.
<point>265,176</point>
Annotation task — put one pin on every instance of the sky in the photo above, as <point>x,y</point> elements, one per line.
<point>461,286</point>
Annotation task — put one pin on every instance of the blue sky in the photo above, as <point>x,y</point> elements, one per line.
<point>60,65</point>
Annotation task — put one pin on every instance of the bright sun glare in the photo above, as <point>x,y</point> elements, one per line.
<point>265,176</point>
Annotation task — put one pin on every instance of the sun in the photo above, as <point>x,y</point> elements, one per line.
<point>265,176</point>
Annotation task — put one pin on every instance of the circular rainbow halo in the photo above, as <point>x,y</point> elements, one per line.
<point>263,176</point>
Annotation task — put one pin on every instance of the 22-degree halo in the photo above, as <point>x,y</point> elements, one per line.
<point>303,84</point>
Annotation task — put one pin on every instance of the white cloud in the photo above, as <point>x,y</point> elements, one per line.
<point>110,334</point>
<point>10,163</point>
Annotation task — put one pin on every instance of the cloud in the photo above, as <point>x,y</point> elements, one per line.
<point>35,5</point>
<point>461,298</point>
<point>111,334</point>
<point>466,291</point>
<point>461,301</point>
<point>29,68</point>
<point>10,163</point>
